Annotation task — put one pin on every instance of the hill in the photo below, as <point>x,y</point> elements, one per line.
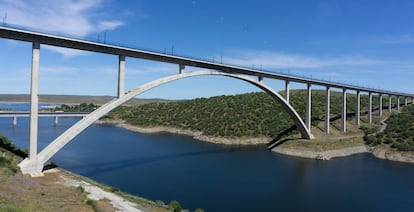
<point>244,115</point>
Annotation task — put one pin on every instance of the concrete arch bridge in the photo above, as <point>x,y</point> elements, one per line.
<point>34,163</point>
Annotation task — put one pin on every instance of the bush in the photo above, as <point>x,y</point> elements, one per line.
<point>175,205</point>
<point>4,162</point>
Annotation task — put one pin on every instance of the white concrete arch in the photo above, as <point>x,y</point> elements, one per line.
<point>35,166</point>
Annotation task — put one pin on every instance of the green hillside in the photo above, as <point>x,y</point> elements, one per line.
<point>399,132</point>
<point>245,115</point>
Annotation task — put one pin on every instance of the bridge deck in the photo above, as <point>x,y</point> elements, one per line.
<point>60,41</point>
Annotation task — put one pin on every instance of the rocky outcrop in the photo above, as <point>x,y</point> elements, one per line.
<point>385,152</point>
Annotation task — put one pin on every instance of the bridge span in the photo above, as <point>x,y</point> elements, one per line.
<point>56,115</point>
<point>34,163</point>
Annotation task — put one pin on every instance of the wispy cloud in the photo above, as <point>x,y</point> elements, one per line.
<point>281,60</point>
<point>58,70</point>
<point>399,39</point>
<point>72,17</point>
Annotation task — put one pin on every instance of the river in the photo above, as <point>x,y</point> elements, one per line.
<point>220,178</point>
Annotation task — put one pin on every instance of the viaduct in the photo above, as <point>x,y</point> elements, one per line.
<point>35,162</point>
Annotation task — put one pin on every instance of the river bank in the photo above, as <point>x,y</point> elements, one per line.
<point>195,134</point>
<point>351,148</point>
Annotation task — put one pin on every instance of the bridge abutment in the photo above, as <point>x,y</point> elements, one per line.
<point>33,166</point>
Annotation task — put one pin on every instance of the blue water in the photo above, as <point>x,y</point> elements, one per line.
<point>220,178</point>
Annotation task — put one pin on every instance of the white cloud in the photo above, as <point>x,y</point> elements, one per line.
<point>67,53</point>
<point>109,25</point>
<point>58,70</point>
<point>71,17</point>
<point>280,60</point>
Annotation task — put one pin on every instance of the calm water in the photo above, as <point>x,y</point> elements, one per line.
<point>219,178</point>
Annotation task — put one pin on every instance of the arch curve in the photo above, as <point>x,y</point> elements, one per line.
<point>34,166</point>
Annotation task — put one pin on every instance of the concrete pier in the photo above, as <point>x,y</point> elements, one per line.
<point>121,76</point>
<point>344,110</point>
<point>389,103</point>
<point>398,104</point>
<point>308,107</point>
<point>405,101</point>
<point>181,69</point>
<point>287,82</point>
<point>380,106</point>
<point>260,78</point>
<point>34,101</point>
<point>370,108</point>
<point>55,120</point>
<point>327,109</point>
<point>358,109</point>
<point>14,121</point>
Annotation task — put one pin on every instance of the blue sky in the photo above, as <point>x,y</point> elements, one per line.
<point>367,43</point>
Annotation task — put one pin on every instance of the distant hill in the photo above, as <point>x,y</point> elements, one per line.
<point>71,99</point>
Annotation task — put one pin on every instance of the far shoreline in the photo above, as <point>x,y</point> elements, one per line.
<point>380,152</point>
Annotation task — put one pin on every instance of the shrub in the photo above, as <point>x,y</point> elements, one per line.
<point>175,205</point>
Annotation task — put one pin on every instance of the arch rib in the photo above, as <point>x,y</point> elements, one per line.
<point>35,166</point>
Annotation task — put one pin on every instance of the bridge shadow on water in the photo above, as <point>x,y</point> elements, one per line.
<point>108,166</point>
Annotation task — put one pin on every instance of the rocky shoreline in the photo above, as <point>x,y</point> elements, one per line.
<point>381,152</point>
<point>323,155</point>
<point>195,134</point>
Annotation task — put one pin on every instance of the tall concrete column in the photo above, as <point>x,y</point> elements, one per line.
<point>181,68</point>
<point>370,107</point>
<point>344,110</point>
<point>56,120</point>
<point>287,90</point>
<point>14,121</point>
<point>389,103</point>
<point>121,76</point>
<point>358,109</point>
<point>380,106</point>
<point>34,101</point>
<point>308,107</point>
<point>405,101</point>
<point>327,109</point>
<point>398,104</point>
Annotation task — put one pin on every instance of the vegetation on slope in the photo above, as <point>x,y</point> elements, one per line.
<point>245,115</point>
<point>399,132</point>
<point>83,107</point>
